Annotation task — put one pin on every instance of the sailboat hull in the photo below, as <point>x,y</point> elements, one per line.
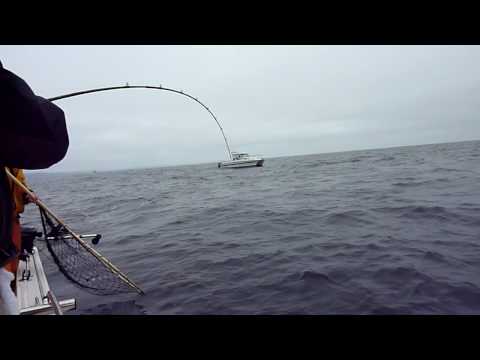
<point>235,164</point>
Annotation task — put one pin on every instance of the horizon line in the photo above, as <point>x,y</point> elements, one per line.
<point>47,171</point>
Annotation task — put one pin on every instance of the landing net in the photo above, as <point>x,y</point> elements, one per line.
<point>78,264</point>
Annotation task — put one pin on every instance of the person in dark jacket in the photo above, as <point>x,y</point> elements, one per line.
<point>33,135</point>
<point>32,129</point>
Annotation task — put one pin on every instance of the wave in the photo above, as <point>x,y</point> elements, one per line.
<point>419,212</point>
<point>316,277</point>
<point>443,170</point>
<point>386,158</point>
<point>320,163</point>
<point>400,275</point>
<point>420,183</point>
<point>116,308</point>
<point>349,217</point>
<point>435,257</point>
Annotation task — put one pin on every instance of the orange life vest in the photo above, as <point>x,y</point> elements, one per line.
<point>18,196</point>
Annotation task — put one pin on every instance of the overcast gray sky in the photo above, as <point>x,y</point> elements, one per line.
<point>271,100</point>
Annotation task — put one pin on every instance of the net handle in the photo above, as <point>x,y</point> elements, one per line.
<point>92,251</point>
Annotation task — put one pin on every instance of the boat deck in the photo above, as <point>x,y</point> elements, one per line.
<point>33,291</point>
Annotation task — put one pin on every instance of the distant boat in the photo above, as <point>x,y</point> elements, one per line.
<point>241,160</point>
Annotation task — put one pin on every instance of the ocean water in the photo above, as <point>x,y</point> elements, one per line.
<point>390,231</point>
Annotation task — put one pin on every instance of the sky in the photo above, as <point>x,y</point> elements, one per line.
<point>271,100</point>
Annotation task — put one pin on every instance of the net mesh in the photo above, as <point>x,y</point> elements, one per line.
<point>77,264</point>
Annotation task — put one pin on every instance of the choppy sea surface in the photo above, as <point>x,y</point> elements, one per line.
<point>390,231</point>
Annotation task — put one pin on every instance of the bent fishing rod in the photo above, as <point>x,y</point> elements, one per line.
<point>77,93</point>
<point>77,237</point>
